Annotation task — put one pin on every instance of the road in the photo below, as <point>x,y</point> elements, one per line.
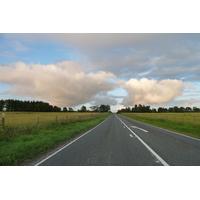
<point>120,141</point>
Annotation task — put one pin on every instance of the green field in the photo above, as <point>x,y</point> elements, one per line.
<point>186,123</point>
<point>25,137</point>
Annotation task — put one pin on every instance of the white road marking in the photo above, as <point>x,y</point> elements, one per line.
<point>130,135</point>
<point>148,147</point>
<point>140,128</point>
<point>71,142</point>
<point>181,134</point>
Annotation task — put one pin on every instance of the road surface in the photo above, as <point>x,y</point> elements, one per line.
<point>120,141</point>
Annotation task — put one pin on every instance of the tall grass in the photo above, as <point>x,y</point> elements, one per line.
<point>21,143</point>
<point>24,118</point>
<point>185,127</point>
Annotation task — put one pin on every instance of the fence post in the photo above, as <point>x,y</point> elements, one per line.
<point>2,116</point>
<point>194,119</point>
<point>3,123</point>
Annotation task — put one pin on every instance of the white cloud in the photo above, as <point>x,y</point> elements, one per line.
<point>190,102</point>
<point>18,46</point>
<point>154,92</point>
<point>63,84</point>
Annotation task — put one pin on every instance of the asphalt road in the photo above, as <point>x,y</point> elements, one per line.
<point>120,141</point>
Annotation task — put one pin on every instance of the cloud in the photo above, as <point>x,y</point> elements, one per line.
<point>154,92</point>
<point>62,84</point>
<point>7,54</point>
<point>190,102</point>
<point>18,46</point>
<point>98,100</point>
<point>87,41</point>
<point>127,55</point>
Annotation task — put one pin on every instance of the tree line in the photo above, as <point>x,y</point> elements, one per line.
<point>146,109</point>
<point>40,106</point>
<point>31,106</point>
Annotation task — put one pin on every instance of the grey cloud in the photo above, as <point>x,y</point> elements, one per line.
<point>98,100</point>
<point>154,56</point>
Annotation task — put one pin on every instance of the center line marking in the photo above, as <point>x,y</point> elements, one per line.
<point>148,147</point>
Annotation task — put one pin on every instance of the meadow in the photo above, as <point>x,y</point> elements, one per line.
<point>186,117</point>
<point>185,123</point>
<point>26,135</point>
<point>16,119</point>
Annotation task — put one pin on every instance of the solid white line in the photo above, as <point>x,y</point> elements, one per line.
<point>70,143</point>
<point>149,148</point>
<point>140,129</point>
<point>181,134</point>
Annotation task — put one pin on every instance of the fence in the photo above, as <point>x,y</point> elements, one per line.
<point>2,118</point>
<point>195,117</point>
<point>20,119</point>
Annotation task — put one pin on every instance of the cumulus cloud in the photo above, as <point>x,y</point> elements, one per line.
<point>62,84</point>
<point>154,92</point>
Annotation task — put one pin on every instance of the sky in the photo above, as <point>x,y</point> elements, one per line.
<point>121,69</point>
<point>118,69</point>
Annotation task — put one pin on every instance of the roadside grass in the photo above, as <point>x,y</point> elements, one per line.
<point>184,127</point>
<point>35,140</point>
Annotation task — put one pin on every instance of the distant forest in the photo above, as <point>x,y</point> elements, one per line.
<point>40,106</point>
<point>146,109</point>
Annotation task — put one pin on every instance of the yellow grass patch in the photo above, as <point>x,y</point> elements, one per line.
<point>187,117</point>
<point>24,118</point>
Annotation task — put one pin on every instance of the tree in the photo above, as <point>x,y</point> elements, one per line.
<point>104,108</point>
<point>94,108</point>
<point>171,109</point>
<point>64,109</point>
<point>188,109</point>
<point>182,109</point>
<point>83,109</point>
<point>70,109</point>
<point>176,109</point>
<point>2,102</point>
<point>56,109</point>
<point>161,109</point>
<point>195,109</point>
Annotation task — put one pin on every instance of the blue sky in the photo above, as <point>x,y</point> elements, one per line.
<point>90,69</point>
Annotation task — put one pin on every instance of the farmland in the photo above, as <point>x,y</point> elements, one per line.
<point>186,123</point>
<point>187,117</point>
<point>31,118</point>
<point>26,135</point>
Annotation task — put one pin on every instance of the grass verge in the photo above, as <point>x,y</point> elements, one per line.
<point>18,149</point>
<point>187,128</point>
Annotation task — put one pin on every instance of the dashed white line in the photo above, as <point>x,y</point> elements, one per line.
<point>130,135</point>
<point>148,147</point>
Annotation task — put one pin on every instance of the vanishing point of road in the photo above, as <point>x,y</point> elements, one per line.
<point>120,141</point>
